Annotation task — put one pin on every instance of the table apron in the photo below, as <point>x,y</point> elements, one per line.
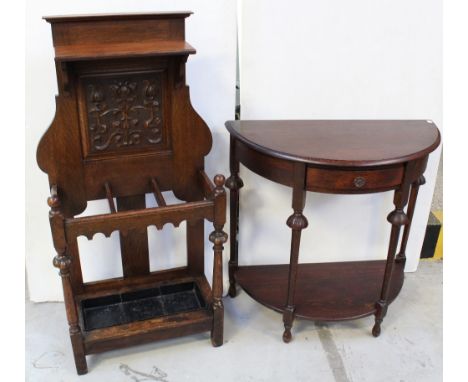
<point>353,181</point>
<point>331,180</point>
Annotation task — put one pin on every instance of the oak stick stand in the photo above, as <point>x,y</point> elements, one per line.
<point>124,127</point>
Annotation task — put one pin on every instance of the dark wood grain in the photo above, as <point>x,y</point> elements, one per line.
<point>125,127</point>
<point>234,183</point>
<point>118,16</point>
<point>91,37</point>
<point>397,218</point>
<point>123,50</point>
<point>134,243</point>
<point>344,143</point>
<point>338,157</point>
<point>126,284</point>
<point>195,239</point>
<point>276,169</point>
<point>146,331</point>
<point>57,145</point>
<point>157,193</point>
<point>125,221</point>
<point>324,291</point>
<point>297,222</point>
<point>354,182</point>
<point>218,237</point>
<point>401,257</point>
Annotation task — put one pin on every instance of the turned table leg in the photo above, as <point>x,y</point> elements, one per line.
<point>297,222</point>
<point>401,257</point>
<point>218,237</point>
<point>234,183</point>
<point>396,218</point>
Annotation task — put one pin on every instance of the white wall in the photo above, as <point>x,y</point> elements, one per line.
<point>211,77</point>
<point>336,59</point>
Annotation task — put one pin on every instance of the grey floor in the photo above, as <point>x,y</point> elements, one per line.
<point>409,349</point>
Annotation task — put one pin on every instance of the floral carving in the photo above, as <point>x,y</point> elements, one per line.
<point>124,112</point>
<point>151,102</point>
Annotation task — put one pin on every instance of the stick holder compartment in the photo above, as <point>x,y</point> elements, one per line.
<point>141,305</point>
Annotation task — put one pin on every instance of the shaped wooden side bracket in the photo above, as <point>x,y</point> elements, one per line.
<point>207,185</point>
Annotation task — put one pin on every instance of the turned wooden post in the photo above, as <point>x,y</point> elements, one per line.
<point>297,222</point>
<point>401,257</point>
<point>62,261</point>
<point>218,237</point>
<point>396,218</point>
<point>234,183</point>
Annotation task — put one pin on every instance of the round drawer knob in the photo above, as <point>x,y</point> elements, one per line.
<point>359,181</point>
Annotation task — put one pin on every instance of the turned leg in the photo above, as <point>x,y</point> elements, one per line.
<point>218,237</point>
<point>63,262</point>
<point>396,218</point>
<point>297,222</point>
<point>234,183</point>
<point>401,257</point>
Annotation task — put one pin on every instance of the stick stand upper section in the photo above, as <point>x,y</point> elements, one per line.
<point>123,112</point>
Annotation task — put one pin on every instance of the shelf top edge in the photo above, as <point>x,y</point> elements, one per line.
<point>117,16</point>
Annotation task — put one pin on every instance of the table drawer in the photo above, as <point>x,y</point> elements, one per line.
<point>353,182</point>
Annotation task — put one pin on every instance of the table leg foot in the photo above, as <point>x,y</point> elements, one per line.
<point>232,292</point>
<point>216,340</point>
<point>287,336</point>
<point>376,329</point>
<point>288,317</point>
<point>381,311</point>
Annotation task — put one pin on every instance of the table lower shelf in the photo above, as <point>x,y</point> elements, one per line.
<point>324,291</point>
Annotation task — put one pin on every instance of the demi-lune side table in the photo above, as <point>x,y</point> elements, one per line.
<point>338,157</point>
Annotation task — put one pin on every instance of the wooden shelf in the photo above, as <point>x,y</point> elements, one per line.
<point>122,50</point>
<point>324,291</point>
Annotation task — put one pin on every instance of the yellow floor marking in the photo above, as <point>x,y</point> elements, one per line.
<point>439,250</point>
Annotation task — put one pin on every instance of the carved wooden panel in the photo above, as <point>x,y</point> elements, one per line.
<point>123,112</point>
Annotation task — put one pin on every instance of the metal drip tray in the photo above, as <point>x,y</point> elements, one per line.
<point>145,304</point>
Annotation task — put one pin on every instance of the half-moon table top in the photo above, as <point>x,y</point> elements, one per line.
<point>343,143</point>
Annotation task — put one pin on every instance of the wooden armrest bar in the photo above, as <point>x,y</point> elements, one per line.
<point>207,184</point>
<point>138,219</point>
<point>157,193</point>
<point>110,198</point>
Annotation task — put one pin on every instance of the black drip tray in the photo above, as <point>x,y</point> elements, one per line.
<point>141,305</point>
